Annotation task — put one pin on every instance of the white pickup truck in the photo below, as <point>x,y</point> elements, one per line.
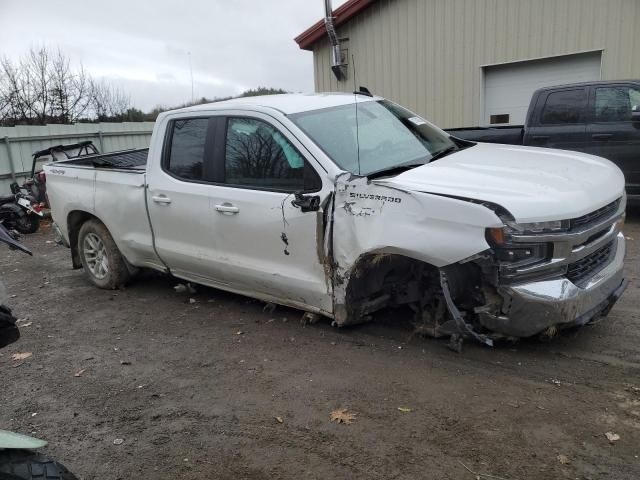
<point>346,204</point>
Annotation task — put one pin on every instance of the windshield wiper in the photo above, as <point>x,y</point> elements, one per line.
<point>395,169</point>
<point>444,153</point>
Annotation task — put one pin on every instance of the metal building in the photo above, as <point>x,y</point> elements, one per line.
<point>475,62</point>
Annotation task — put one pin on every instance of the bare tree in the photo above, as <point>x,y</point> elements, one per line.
<point>107,102</point>
<point>70,91</point>
<point>43,87</point>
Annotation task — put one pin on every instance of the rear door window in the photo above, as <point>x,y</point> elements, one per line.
<point>565,107</point>
<point>615,104</point>
<point>186,154</point>
<point>257,155</point>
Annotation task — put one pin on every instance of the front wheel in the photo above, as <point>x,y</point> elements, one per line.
<point>28,223</point>
<point>102,261</point>
<point>27,465</point>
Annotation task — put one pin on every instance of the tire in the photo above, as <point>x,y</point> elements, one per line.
<point>27,465</point>
<point>28,223</point>
<point>103,263</point>
<point>9,333</point>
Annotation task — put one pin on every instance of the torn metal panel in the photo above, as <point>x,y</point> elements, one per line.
<point>372,219</point>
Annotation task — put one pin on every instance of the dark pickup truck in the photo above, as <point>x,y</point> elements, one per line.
<point>600,118</point>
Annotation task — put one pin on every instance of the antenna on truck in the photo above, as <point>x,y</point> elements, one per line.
<point>355,99</point>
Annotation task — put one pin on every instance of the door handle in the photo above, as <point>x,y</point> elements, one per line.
<point>227,209</point>
<point>540,137</point>
<point>601,136</point>
<point>163,199</point>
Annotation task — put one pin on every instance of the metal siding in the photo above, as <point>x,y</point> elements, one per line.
<point>25,140</point>
<point>427,54</point>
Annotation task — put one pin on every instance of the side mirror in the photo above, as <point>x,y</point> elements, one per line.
<point>306,203</point>
<point>635,115</point>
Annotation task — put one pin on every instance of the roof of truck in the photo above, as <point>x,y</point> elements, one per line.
<point>287,103</point>
<point>586,84</point>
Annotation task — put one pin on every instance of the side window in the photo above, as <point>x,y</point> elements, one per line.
<point>613,104</point>
<point>258,155</point>
<point>634,94</point>
<point>566,106</point>
<point>186,155</point>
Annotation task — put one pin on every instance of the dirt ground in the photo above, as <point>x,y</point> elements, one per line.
<point>193,389</point>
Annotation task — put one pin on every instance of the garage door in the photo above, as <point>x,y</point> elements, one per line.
<point>508,88</point>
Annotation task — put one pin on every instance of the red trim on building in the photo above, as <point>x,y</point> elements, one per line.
<point>341,14</point>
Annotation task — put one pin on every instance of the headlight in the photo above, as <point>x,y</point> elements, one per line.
<point>538,227</point>
<point>522,255</point>
<point>500,236</point>
<point>516,254</point>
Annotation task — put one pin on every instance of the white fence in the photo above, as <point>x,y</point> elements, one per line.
<point>17,144</point>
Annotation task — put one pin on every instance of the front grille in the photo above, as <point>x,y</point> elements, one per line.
<point>595,216</point>
<point>591,264</point>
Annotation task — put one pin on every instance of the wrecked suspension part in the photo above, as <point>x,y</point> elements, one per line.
<point>445,301</point>
<point>450,305</point>
<point>463,327</point>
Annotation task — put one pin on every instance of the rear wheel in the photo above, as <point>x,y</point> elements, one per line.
<point>27,465</point>
<point>102,261</point>
<point>28,223</point>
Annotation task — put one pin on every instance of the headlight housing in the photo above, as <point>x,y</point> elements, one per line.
<point>501,235</point>
<point>554,226</point>
<point>513,255</point>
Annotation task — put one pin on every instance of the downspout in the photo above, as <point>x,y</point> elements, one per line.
<point>339,69</point>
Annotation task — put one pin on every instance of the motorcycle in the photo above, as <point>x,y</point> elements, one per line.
<point>20,211</point>
<point>36,184</point>
<point>18,461</point>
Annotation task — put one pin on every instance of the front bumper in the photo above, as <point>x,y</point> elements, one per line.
<point>531,308</point>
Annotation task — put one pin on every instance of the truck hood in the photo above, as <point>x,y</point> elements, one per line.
<point>533,184</point>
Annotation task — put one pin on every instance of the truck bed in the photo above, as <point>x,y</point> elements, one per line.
<point>124,159</point>
<point>110,187</point>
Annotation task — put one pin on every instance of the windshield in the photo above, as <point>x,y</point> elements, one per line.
<point>389,136</point>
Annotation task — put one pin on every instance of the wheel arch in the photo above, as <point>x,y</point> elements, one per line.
<point>75,220</point>
<point>376,280</point>
<point>380,279</point>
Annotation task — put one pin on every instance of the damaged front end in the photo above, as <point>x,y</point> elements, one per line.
<point>410,239</point>
<point>555,275</point>
<point>527,279</point>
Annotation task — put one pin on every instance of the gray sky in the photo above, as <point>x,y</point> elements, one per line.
<point>143,46</point>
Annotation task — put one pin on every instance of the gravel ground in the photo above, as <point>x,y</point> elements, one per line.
<point>219,388</point>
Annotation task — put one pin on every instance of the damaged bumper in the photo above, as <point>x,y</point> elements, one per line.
<point>531,308</point>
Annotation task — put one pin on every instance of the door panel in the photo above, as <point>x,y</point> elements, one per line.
<point>264,242</point>
<point>267,245</point>
<point>612,133</point>
<point>178,199</point>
